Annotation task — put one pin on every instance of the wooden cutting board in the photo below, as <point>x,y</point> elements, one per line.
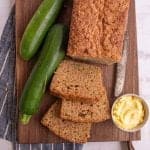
<point>34,132</point>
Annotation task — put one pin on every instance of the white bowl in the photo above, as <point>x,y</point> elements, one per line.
<point>146,109</point>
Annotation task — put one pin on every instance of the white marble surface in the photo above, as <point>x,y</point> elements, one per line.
<point>143,34</point>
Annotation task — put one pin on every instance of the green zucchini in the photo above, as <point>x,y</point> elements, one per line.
<point>37,28</point>
<point>51,55</point>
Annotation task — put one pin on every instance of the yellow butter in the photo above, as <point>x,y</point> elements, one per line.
<point>128,112</point>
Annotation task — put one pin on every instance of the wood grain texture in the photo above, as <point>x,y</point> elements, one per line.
<point>34,132</point>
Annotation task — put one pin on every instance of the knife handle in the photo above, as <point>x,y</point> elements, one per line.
<point>130,145</point>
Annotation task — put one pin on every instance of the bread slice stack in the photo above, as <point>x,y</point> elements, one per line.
<point>83,101</point>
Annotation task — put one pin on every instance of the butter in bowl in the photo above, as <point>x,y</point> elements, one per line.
<point>130,112</point>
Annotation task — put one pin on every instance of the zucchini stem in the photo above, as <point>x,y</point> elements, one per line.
<point>24,118</point>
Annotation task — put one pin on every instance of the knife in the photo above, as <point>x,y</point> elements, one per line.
<point>120,76</point>
<point>121,68</point>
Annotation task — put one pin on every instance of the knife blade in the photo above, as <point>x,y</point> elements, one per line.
<point>121,68</point>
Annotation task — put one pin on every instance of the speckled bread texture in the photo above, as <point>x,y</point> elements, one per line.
<point>97,30</point>
<point>77,81</point>
<point>68,130</point>
<point>82,112</point>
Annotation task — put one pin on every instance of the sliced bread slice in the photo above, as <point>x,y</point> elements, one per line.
<point>68,130</point>
<point>82,112</point>
<point>77,81</point>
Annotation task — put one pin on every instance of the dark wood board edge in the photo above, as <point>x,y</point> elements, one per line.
<point>133,39</point>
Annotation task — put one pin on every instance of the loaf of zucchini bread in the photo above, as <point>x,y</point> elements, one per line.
<point>97,30</point>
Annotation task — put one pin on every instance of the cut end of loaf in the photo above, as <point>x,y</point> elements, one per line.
<point>104,61</point>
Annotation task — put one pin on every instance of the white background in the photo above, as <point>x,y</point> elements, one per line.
<point>143,34</point>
